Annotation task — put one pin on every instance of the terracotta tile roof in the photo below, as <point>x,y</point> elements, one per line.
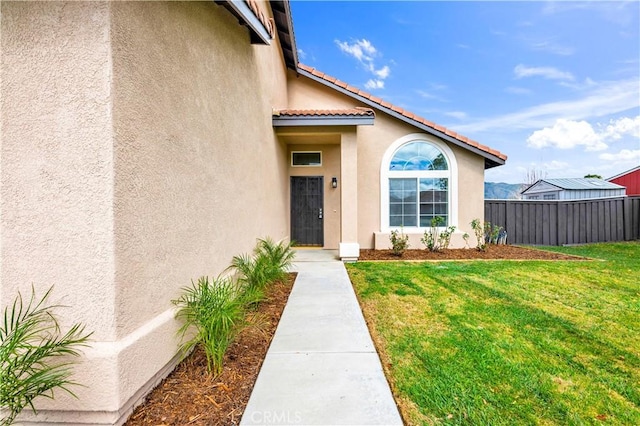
<point>351,112</point>
<point>404,113</point>
<point>267,22</point>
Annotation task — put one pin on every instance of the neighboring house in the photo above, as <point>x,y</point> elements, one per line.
<point>144,144</point>
<point>572,189</point>
<point>629,179</point>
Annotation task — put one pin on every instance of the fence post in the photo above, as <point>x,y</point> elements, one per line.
<point>627,214</point>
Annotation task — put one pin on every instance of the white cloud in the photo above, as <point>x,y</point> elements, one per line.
<point>624,156</point>
<point>554,165</point>
<point>362,50</point>
<point>616,129</point>
<point>517,90</point>
<point>601,100</point>
<point>460,115</point>
<point>374,84</point>
<point>567,134</point>
<point>551,47</point>
<point>550,73</point>
<point>430,95</point>
<point>366,53</point>
<point>302,54</point>
<point>382,72</point>
<point>462,46</point>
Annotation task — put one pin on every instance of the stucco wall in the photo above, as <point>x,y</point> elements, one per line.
<point>137,154</point>
<point>373,141</point>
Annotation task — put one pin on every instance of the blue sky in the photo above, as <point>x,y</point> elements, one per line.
<point>554,85</point>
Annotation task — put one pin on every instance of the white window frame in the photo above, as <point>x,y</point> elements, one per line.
<point>385,174</point>
<point>306,152</point>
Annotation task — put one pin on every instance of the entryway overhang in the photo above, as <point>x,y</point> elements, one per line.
<point>335,132</point>
<point>323,117</point>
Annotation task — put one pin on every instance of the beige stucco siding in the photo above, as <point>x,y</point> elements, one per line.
<point>372,143</point>
<point>57,158</point>
<point>137,154</point>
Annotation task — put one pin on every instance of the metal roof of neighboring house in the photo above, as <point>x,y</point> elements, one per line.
<point>492,157</point>
<point>578,184</point>
<point>624,173</point>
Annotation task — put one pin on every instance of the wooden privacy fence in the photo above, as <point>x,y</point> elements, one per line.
<point>555,223</point>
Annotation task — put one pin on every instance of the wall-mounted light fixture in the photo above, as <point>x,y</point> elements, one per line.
<point>334,182</point>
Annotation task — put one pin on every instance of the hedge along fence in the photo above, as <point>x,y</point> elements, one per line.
<point>559,222</point>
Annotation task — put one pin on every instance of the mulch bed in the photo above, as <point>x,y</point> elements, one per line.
<point>494,252</point>
<point>190,396</point>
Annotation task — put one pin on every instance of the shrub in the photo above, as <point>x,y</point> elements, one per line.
<point>445,237</point>
<point>434,239</point>
<point>268,264</point>
<point>34,356</point>
<point>278,258</point>
<point>399,242</point>
<point>465,237</point>
<point>216,309</point>
<point>430,238</point>
<point>479,231</point>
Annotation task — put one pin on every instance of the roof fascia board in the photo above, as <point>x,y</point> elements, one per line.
<point>294,49</point>
<point>321,121</point>
<point>496,160</point>
<point>532,187</point>
<point>251,20</point>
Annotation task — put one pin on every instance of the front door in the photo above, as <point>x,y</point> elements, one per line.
<point>307,210</point>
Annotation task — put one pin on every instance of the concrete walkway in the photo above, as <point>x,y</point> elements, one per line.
<point>321,367</point>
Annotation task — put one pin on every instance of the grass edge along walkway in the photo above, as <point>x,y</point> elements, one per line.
<point>509,342</point>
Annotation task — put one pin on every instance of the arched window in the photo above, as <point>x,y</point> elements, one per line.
<point>418,182</point>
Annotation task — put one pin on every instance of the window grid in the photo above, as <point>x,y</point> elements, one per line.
<point>407,209</point>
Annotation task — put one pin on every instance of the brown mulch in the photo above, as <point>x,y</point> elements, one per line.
<point>190,396</point>
<point>494,252</point>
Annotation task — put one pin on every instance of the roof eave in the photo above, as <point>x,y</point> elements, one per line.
<point>297,121</point>
<point>284,26</point>
<point>490,159</point>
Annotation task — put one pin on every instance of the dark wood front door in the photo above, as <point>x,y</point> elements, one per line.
<point>307,210</point>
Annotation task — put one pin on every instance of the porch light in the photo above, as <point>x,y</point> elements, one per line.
<point>334,182</point>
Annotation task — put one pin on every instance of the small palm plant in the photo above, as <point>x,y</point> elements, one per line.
<point>34,356</point>
<point>277,257</point>
<point>269,263</point>
<point>216,310</point>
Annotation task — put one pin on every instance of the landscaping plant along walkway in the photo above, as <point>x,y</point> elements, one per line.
<point>507,342</point>
<point>191,396</point>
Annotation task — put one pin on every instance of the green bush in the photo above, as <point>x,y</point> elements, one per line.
<point>436,240</point>
<point>216,310</point>
<point>399,242</point>
<point>268,264</point>
<point>34,356</point>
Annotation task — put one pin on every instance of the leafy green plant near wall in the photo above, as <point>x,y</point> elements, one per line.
<point>399,242</point>
<point>214,312</point>
<point>34,355</point>
<point>216,309</point>
<point>436,240</point>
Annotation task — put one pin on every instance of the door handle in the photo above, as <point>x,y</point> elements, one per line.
<point>320,213</point>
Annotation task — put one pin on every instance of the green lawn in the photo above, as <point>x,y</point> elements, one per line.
<point>510,342</point>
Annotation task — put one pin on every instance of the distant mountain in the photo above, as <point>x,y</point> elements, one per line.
<point>502,191</point>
